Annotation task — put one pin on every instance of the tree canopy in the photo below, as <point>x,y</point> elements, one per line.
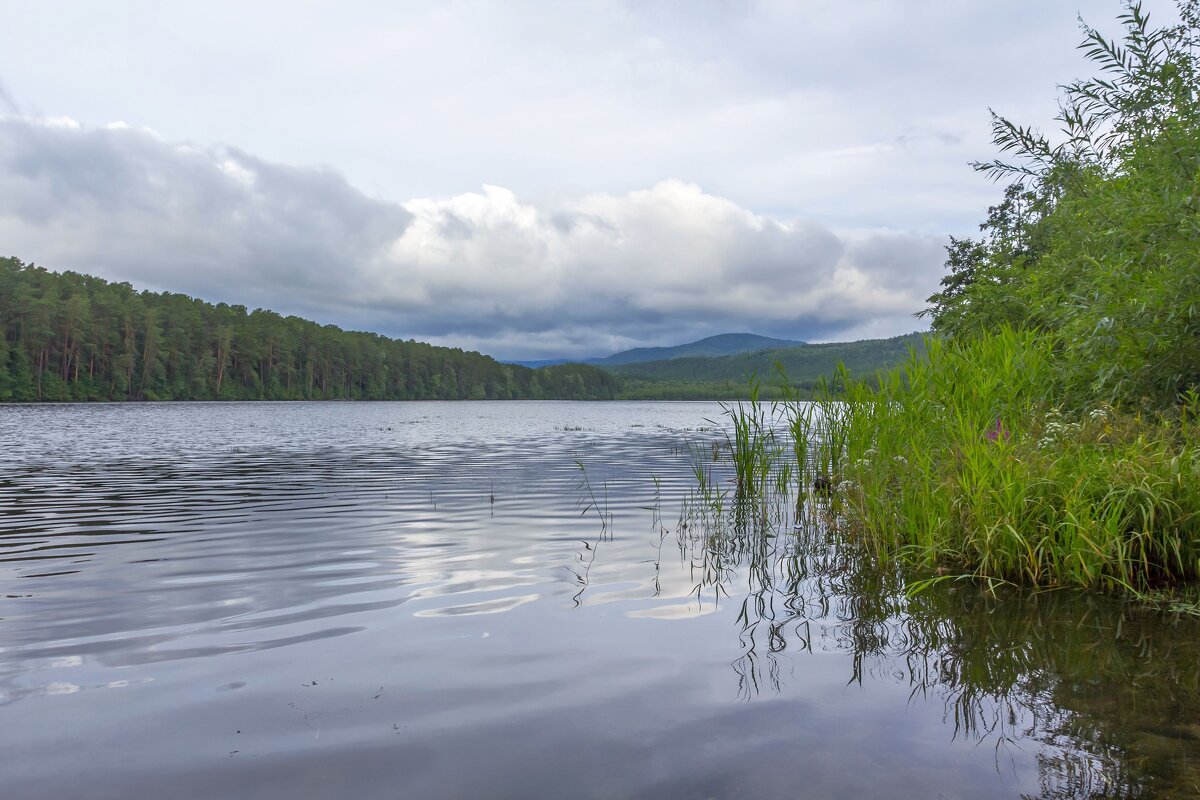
<point>1097,240</point>
<point>67,336</point>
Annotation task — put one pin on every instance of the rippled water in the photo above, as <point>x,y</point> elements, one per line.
<point>514,600</point>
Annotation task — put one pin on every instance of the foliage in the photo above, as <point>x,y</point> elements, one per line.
<point>752,448</point>
<point>977,294</point>
<point>1096,245</point>
<point>956,462</point>
<point>1148,82</point>
<point>74,337</point>
<point>1119,283</point>
<point>1049,437</point>
<point>959,462</point>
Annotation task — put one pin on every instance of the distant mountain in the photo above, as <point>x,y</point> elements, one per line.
<point>804,366</point>
<point>725,344</point>
<point>719,367</point>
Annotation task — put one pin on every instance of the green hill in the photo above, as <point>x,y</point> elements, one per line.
<point>727,377</point>
<point>725,344</point>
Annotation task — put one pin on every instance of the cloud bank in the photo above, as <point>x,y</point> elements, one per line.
<point>485,270</point>
<point>860,114</point>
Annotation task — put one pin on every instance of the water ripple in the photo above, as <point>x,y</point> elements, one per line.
<point>427,600</point>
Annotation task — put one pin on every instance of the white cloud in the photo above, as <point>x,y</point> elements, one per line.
<point>483,269</point>
<point>860,114</point>
<point>61,122</point>
<point>829,141</point>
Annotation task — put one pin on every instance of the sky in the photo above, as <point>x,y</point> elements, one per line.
<point>530,180</point>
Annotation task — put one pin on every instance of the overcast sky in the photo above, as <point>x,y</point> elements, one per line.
<point>526,179</point>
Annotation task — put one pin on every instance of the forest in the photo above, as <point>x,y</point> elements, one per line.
<point>72,337</point>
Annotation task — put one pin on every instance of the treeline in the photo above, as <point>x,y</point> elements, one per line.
<point>72,337</point>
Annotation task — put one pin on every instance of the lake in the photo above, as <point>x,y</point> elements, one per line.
<point>520,600</point>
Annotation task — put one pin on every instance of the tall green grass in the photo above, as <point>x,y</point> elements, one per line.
<point>964,460</point>
<point>759,470</point>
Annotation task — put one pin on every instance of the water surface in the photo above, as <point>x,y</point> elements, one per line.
<point>514,600</point>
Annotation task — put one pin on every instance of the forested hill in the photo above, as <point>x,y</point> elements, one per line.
<point>725,344</point>
<point>67,336</point>
<point>804,366</point>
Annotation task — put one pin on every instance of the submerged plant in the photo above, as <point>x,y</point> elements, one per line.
<point>590,502</point>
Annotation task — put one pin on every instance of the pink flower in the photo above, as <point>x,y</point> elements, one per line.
<point>998,431</point>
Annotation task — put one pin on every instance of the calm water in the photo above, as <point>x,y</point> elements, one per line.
<point>433,600</point>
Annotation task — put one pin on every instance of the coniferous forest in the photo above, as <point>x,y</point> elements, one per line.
<point>72,337</point>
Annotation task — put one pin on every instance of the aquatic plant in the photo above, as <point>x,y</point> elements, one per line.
<point>1066,670</point>
<point>590,502</point>
<point>1100,496</point>
<point>1046,436</point>
<point>751,444</point>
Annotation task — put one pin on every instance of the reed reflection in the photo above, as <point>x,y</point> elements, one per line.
<point>1107,693</point>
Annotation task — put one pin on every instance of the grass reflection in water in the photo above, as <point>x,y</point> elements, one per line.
<point>1094,684</point>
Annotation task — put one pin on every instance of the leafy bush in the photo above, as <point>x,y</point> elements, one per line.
<point>1097,244</point>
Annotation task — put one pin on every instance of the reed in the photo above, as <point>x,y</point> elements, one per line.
<point>798,419</point>
<point>755,452</point>
<point>966,461</point>
<point>589,501</point>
